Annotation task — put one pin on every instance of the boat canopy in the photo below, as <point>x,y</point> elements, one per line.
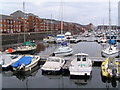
<point>24,60</point>
<point>49,35</point>
<point>64,44</point>
<point>29,43</point>
<point>59,36</point>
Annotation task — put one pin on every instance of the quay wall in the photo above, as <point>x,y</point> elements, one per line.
<point>14,38</point>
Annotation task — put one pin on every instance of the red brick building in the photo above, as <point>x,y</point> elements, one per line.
<point>9,24</point>
<point>28,22</point>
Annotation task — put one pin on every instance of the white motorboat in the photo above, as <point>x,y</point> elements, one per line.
<point>102,40</point>
<point>27,47</point>
<point>63,50</point>
<point>110,51</point>
<point>7,60</point>
<point>68,35</point>
<point>81,65</point>
<point>53,64</point>
<point>60,38</point>
<point>25,63</point>
<point>49,39</point>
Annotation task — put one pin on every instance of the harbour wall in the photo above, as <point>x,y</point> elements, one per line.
<point>14,38</point>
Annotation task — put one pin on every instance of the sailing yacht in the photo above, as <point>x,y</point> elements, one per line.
<point>112,49</point>
<point>27,46</point>
<point>61,37</point>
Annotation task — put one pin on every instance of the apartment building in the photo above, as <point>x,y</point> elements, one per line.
<point>9,24</point>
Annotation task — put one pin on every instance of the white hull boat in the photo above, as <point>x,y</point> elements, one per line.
<point>64,50</point>
<point>60,38</point>
<point>25,48</point>
<point>81,66</point>
<point>53,64</point>
<point>26,63</point>
<point>102,40</point>
<point>49,39</point>
<point>111,51</point>
<point>8,60</point>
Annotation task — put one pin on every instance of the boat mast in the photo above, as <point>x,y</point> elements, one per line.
<point>61,17</point>
<point>24,19</point>
<point>110,18</point>
<point>51,23</point>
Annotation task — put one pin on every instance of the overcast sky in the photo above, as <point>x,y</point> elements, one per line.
<point>79,11</point>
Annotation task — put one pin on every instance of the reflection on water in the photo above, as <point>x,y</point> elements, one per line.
<point>35,79</point>
<point>80,81</point>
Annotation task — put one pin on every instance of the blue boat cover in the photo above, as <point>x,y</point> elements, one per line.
<point>49,35</point>
<point>25,60</point>
<point>64,43</point>
<point>59,36</point>
<point>111,41</point>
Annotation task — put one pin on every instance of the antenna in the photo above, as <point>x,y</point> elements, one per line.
<point>24,19</point>
<point>110,18</point>
<point>61,17</point>
<point>51,23</point>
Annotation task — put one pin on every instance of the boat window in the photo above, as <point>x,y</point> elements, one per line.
<point>84,58</point>
<point>78,58</point>
<point>62,61</point>
<point>53,60</point>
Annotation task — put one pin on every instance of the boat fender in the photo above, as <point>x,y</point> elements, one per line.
<point>10,50</point>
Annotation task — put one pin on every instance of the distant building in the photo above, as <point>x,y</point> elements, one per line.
<point>106,27</point>
<point>9,24</point>
<point>119,13</point>
<point>27,22</point>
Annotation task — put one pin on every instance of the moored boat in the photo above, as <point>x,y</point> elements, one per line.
<point>53,65</point>
<point>81,65</point>
<point>110,68</point>
<point>27,47</point>
<point>25,63</point>
<point>63,50</point>
<point>7,60</point>
<point>110,51</point>
<point>49,39</point>
<point>60,38</point>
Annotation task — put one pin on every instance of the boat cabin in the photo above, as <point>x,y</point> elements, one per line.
<point>55,59</point>
<point>82,57</point>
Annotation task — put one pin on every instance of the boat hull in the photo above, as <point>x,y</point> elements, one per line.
<point>29,66</point>
<point>78,73</point>
<point>64,53</point>
<point>110,55</point>
<point>26,51</point>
